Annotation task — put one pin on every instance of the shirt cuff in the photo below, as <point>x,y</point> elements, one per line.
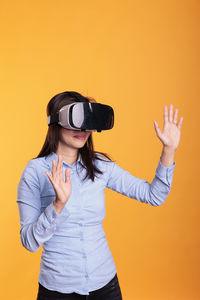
<point>53,216</point>
<point>165,173</point>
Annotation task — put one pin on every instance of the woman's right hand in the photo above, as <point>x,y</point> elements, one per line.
<point>62,188</point>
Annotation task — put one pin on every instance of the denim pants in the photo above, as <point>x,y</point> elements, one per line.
<point>111,291</point>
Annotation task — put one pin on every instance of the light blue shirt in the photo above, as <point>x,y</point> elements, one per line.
<point>76,256</point>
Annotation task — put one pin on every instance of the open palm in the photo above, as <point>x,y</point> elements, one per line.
<point>170,136</point>
<point>62,187</point>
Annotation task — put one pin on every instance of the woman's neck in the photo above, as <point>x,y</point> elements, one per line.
<point>69,155</point>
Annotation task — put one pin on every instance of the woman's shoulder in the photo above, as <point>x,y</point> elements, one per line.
<point>37,161</point>
<point>34,172</point>
<point>36,165</point>
<point>103,162</point>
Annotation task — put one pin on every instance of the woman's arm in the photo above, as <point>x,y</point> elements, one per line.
<point>36,227</point>
<point>155,193</point>
<point>133,187</point>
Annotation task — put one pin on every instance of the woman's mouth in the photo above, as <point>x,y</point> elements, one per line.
<point>80,137</point>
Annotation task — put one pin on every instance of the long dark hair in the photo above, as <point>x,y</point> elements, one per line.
<point>87,152</point>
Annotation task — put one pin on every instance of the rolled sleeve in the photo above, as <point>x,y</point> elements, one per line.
<point>165,173</point>
<point>54,217</point>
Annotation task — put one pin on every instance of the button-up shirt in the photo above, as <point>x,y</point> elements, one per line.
<point>76,256</point>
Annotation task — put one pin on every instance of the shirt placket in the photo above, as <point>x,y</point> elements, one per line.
<point>81,227</point>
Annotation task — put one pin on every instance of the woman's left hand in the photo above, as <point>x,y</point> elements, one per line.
<point>170,136</point>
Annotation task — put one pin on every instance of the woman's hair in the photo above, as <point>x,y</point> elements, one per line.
<point>87,152</point>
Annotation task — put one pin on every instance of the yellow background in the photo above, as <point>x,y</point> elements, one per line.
<point>136,56</point>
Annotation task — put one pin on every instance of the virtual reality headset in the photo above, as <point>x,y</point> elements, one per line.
<point>84,116</point>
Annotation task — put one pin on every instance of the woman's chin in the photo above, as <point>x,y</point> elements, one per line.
<point>79,143</point>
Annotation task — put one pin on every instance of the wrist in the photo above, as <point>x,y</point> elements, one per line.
<point>167,149</point>
<point>167,156</point>
<point>58,206</point>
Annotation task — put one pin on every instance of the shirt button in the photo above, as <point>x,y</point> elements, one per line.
<point>84,256</point>
<point>81,224</point>
<point>86,275</point>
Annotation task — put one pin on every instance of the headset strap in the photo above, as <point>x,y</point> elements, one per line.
<point>53,118</point>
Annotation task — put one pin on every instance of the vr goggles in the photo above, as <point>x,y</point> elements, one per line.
<point>84,116</point>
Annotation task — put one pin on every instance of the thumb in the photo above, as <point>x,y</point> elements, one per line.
<point>157,129</point>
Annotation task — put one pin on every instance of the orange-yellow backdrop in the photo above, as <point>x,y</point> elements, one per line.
<point>136,56</point>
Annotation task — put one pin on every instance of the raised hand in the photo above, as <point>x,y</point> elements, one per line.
<point>170,136</point>
<point>62,188</point>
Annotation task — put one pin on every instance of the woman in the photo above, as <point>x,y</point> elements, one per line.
<point>62,206</point>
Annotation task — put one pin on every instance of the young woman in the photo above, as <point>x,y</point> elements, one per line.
<point>62,206</point>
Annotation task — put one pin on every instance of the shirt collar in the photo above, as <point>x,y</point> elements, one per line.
<point>53,155</point>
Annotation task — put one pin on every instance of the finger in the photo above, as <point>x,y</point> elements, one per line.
<point>180,122</point>
<point>60,165</point>
<point>49,176</point>
<point>175,115</point>
<point>53,167</point>
<point>165,114</point>
<point>158,131</point>
<point>171,112</point>
<point>67,175</point>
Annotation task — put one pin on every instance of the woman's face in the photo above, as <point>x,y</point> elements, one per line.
<point>73,138</point>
